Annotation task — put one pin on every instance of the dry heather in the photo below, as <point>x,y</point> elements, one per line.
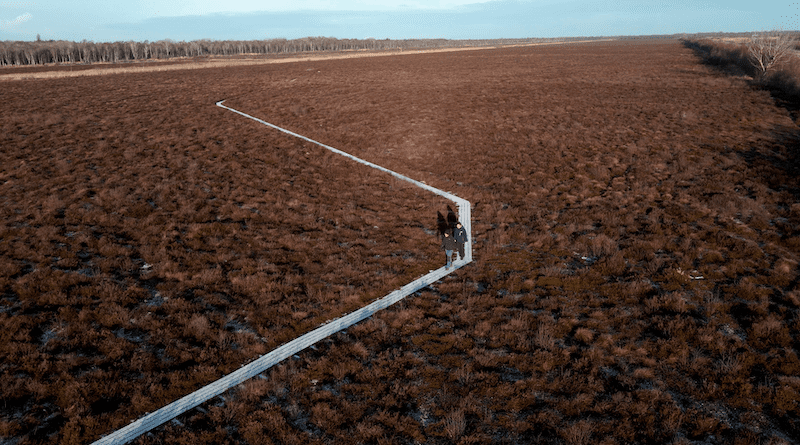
<point>151,247</point>
<point>636,222</point>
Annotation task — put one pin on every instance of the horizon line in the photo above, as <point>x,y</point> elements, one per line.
<point>38,39</point>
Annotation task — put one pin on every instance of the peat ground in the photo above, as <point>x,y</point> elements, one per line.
<point>150,247</point>
<point>636,219</point>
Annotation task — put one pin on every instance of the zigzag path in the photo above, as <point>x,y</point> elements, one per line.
<point>256,367</point>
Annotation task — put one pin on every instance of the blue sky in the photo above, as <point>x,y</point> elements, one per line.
<point>108,20</point>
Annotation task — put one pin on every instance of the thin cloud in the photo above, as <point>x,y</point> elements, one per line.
<point>11,25</point>
<point>16,5</point>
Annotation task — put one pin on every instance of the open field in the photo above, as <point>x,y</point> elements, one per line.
<point>636,223</point>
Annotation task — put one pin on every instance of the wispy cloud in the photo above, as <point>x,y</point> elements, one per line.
<point>17,4</point>
<point>11,25</point>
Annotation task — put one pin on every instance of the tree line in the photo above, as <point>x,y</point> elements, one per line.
<point>42,52</point>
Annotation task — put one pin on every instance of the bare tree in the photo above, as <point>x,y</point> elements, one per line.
<point>86,52</point>
<point>69,52</point>
<point>134,46</point>
<point>770,49</point>
<point>194,47</point>
<point>167,44</point>
<point>55,54</point>
<point>5,52</point>
<point>30,54</point>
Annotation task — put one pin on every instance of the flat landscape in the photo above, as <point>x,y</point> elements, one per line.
<point>636,228</point>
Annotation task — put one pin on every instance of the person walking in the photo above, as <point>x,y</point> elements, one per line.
<point>460,237</point>
<point>449,245</point>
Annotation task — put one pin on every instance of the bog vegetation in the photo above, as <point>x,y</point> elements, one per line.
<point>636,229</point>
<point>768,58</point>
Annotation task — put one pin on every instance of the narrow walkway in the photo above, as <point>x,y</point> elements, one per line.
<point>252,369</point>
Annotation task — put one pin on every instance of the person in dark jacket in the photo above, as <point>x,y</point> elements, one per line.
<point>460,237</point>
<point>449,245</point>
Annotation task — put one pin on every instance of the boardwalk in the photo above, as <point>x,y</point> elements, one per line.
<point>252,369</point>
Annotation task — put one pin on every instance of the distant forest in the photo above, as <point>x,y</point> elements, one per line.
<point>41,52</point>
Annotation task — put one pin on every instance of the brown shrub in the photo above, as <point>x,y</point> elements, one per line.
<point>198,327</point>
<point>578,433</point>
<point>455,424</point>
<point>585,335</point>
